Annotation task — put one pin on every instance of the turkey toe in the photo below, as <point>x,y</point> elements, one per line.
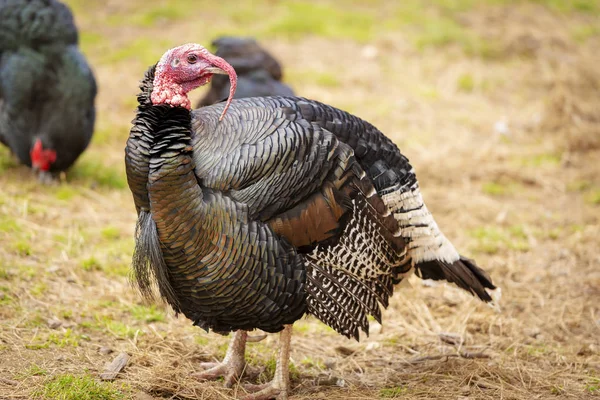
<point>264,392</point>
<point>232,366</point>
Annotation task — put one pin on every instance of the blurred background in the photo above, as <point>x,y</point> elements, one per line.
<point>496,104</point>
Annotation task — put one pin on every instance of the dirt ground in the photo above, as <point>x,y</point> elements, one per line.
<point>498,109</point>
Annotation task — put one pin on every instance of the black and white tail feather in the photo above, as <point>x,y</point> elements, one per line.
<point>432,254</point>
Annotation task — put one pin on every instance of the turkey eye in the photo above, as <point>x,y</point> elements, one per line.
<point>192,58</point>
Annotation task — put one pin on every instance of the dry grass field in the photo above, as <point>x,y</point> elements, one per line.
<point>497,105</point>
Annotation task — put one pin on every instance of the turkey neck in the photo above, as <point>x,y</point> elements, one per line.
<point>139,143</point>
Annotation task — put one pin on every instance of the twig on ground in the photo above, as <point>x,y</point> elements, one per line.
<point>9,382</point>
<point>112,370</point>
<point>446,356</point>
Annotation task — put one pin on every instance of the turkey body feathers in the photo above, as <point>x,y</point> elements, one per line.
<point>286,206</point>
<point>47,89</point>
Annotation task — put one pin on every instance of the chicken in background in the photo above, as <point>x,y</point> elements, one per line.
<point>259,73</point>
<point>47,89</point>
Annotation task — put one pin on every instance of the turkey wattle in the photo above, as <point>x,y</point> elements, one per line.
<point>254,212</point>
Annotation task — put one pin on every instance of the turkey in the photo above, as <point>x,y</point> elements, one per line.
<point>259,73</point>
<point>47,89</point>
<point>257,211</point>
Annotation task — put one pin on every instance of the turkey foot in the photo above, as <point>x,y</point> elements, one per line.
<point>280,385</point>
<point>232,366</point>
<point>265,392</point>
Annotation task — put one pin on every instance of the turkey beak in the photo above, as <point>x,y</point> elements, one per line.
<point>216,71</point>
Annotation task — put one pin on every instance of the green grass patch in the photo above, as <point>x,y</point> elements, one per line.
<point>110,232</point>
<point>465,83</point>
<point>582,6</point>
<point>95,172</point>
<point>5,299</point>
<point>146,50</point>
<point>38,289</point>
<point>438,27</point>
<point>91,42</point>
<point>7,161</point>
<point>301,19</point>
<point>32,370</point>
<point>593,386</point>
<point>81,387</point>
<point>312,363</point>
<point>312,77</point>
<point>35,321</point>
<point>65,192</point>
<point>91,264</point>
<point>201,340</point>
<point>9,225</point>
<point>119,329</point>
<point>64,339</point>
<point>428,92</point>
<point>167,12</point>
<point>147,314</point>
<point>579,185</point>
<point>22,247</point>
<point>584,32</point>
<point>269,371</point>
<point>540,160</point>
<point>392,393</point>
<point>491,240</point>
<point>325,79</point>
<point>495,189</point>
<point>593,197</point>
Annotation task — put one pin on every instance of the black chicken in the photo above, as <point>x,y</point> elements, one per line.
<point>254,212</point>
<point>258,72</point>
<point>47,89</point>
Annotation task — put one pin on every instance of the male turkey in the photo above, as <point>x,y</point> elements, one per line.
<point>47,89</point>
<point>258,72</point>
<point>254,212</point>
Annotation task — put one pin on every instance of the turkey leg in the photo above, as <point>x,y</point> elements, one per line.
<point>232,366</point>
<point>280,385</point>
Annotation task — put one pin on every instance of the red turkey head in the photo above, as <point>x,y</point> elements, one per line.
<point>41,159</point>
<point>185,68</point>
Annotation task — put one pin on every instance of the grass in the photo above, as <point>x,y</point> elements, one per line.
<point>492,240</point>
<point>147,314</point>
<point>78,387</point>
<point>540,160</point>
<point>305,18</point>
<point>466,83</point>
<point>91,264</point>
<point>392,393</point>
<point>94,172</point>
<point>33,370</point>
<point>593,197</point>
<point>503,186</point>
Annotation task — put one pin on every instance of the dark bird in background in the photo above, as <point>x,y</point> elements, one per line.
<point>254,212</point>
<point>47,89</point>
<point>259,73</point>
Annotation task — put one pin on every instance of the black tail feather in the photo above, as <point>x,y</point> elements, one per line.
<point>148,263</point>
<point>464,273</point>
